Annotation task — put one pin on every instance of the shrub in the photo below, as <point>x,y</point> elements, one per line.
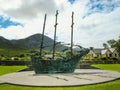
<point>22,55</point>
<point>16,58</point>
<point>113,58</point>
<point>104,58</point>
<point>96,58</point>
<point>5,58</point>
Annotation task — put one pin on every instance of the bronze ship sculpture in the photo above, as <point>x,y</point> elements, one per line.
<point>64,65</point>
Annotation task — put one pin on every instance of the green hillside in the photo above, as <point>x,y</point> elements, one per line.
<point>14,54</point>
<point>21,48</point>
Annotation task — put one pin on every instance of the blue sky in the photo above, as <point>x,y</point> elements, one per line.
<point>93,6</point>
<point>101,6</point>
<point>6,22</point>
<point>96,21</point>
<point>71,1</point>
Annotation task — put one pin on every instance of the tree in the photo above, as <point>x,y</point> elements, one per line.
<point>115,44</point>
<point>112,43</point>
<point>105,46</point>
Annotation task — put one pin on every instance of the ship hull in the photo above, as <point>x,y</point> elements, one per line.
<point>55,66</point>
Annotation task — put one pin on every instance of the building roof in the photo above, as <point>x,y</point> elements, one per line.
<point>104,51</point>
<point>97,50</point>
<point>112,49</point>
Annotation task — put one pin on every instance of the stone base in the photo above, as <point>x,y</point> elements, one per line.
<point>79,77</point>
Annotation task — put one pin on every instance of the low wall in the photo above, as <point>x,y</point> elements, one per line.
<point>101,61</point>
<point>18,62</point>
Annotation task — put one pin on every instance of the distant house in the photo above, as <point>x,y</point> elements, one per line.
<point>106,53</point>
<point>115,53</point>
<point>94,52</point>
<point>102,52</point>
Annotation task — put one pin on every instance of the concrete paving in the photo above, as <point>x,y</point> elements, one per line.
<point>1,82</point>
<point>79,77</point>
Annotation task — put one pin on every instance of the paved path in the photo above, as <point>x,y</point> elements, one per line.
<point>80,77</point>
<point>1,82</point>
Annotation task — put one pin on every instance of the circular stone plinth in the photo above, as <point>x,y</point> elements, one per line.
<point>1,82</point>
<point>79,77</point>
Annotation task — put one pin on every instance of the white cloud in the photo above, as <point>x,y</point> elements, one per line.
<point>7,4</point>
<point>102,27</point>
<point>29,8</point>
<point>90,31</point>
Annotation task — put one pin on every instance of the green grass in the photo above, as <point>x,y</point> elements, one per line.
<point>113,85</point>
<point>113,67</point>
<point>9,69</point>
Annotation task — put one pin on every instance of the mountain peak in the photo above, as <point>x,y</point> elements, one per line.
<point>31,42</point>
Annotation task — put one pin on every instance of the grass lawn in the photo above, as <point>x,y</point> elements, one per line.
<point>114,85</point>
<point>113,67</point>
<point>9,69</point>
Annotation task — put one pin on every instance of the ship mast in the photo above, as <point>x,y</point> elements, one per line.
<point>42,38</point>
<point>55,34</point>
<point>72,34</point>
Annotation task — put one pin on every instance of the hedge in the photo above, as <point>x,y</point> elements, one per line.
<point>101,61</point>
<point>17,62</point>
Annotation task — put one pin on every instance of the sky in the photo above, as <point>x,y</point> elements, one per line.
<point>95,21</point>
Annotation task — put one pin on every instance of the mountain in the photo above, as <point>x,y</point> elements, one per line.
<point>5,42</point>
<point>31,42</point>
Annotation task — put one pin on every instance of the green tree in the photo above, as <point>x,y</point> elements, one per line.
<point>115,44</point>
<point>105,46</point>
<point>112,43</point>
